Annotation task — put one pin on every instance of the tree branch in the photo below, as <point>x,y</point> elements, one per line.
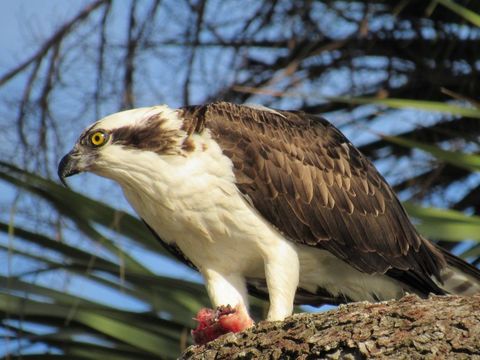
<point>411,328</point>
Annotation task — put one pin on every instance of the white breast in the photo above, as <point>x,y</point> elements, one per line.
<point>192,201</point>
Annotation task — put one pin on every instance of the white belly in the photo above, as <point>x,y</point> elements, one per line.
<point>193,202</point>
<point>217,229</point>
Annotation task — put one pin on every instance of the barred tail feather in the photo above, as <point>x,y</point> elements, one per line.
<point>459,277</point>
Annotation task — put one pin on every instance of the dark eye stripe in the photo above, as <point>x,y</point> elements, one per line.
<point>151,135</point>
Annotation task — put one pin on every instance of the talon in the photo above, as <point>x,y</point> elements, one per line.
<point>222,320</point>
<point>236,320</point>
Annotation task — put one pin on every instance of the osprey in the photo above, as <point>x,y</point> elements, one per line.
<point>274,203</point>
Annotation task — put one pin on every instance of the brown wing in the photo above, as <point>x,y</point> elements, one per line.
<point>311,183</point>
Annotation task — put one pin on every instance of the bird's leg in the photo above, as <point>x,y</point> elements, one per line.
<point>224,289</point>
<point>228,295</point>
<point>282,270</point>
<point>229,290</point>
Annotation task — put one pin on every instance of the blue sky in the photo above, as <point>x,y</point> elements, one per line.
<point>20,19</point>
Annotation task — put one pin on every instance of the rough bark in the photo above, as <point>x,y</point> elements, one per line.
<point>441,327</point>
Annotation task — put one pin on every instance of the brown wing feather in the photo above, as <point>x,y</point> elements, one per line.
<point>310,182</point>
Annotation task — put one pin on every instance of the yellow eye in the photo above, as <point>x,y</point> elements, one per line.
<point>98,138</point>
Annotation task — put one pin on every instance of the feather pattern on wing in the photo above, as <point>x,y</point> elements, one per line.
<point>311,183</point>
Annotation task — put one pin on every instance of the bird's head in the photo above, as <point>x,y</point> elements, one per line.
<point>113,143</point>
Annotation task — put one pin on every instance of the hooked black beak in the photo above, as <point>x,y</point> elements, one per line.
<point>68,166</point>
